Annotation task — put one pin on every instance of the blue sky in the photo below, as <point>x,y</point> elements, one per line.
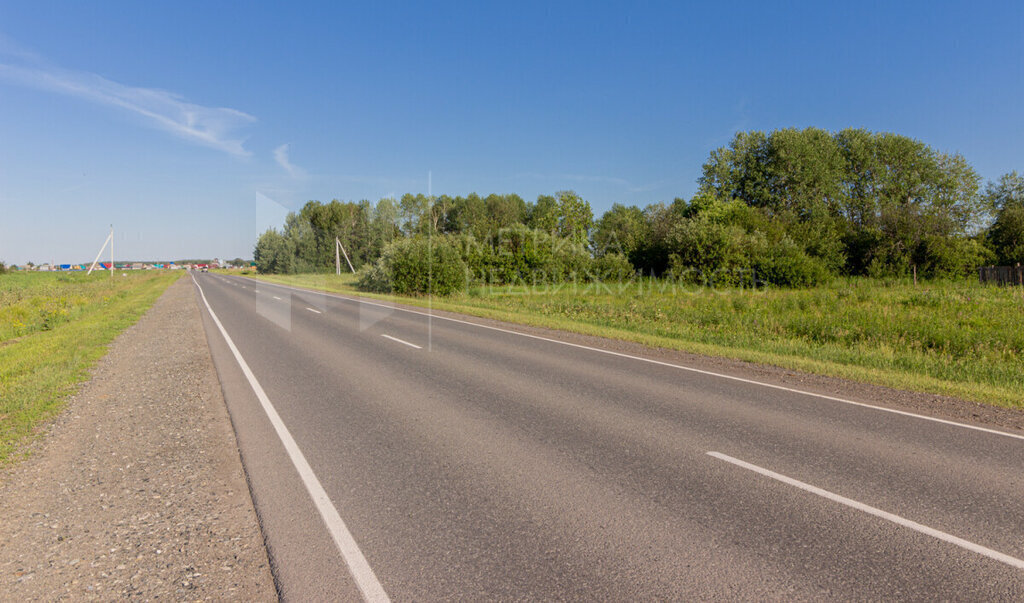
<point>193,127</point>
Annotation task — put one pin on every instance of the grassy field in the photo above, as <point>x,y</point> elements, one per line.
<point>53,328</point>
<point>954,338</point>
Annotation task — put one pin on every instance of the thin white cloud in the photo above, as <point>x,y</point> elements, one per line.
<point>281,157</point>
<point>214,127</point>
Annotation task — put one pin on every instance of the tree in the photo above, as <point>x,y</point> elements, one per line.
<point>866,202</point>
<point>543,215</point>
<point>273,254</point>
<point>621,229</point>
<point>504,211</point>
<point>1006,236</point>
<point>384,228</point>
<point>469,216</point>
<point>1008,192</point>
<point>574,217</point>
<point>440,214</point>
<point>415,214</point>
<point>307,252</point>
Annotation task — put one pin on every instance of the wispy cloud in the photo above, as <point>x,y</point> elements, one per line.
<point>281,157</point>
<point>214,127</point>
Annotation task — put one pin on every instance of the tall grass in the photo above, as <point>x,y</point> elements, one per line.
<point>947,337</point>
<point>53,328</point>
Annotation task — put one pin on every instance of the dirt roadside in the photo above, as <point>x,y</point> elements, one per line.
<point>138,490</point>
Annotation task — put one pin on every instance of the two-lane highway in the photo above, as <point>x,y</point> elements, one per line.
<point>391,453</point>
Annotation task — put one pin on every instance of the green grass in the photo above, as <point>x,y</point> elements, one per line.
<point>953,338</point>
<point>53,329</point>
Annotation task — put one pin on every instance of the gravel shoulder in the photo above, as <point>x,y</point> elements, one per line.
<point>138,490</point>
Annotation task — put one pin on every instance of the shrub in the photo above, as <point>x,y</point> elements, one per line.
<point>786,263</point>
<point>1007,235</point>
<point>950,257</point>
<point>417,265</point>
<point>612,267</point>
<point>716,254</point>
<point>524,255</point>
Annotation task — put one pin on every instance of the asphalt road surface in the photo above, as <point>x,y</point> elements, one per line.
<point>394,454</point>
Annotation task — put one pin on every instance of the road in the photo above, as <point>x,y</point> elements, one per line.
<point>395,454</point>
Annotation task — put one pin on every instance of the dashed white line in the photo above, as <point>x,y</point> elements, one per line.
<point>312,310</point>
<point>849,502</point>
<point>366,580</point>
<point>411,345</point>
<point>691,369</point>
<point>276,297</point>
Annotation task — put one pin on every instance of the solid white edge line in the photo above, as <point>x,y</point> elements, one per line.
<point>411,345</point>
<point>907,523</point>
<point>313,310</point>
<point>661,363</point>
<point>366,580</point>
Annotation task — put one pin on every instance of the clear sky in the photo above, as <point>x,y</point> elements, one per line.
<point>193,127</point>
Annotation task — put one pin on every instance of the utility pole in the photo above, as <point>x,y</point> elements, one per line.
<point>109,239</point>
<point>337,259</point>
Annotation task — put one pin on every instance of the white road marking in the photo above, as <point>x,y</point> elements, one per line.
<point>411,345</point>
<point>312,310</point>
<point>276,297</point>
<point>366,580</point>
<point>913,525</point>
<point>662,363</point>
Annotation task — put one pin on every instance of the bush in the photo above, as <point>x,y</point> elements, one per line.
<point>785,263</point>
<point>418,265</point>
<point>707,246</point>
<point>711,253</point>
<point>952,257</point>
<point>1007,235</point>
<point>524,255</point>
<point>612,267</point>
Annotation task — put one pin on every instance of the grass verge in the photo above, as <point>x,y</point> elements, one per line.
<point>952,338</point>
<point>53,329</point>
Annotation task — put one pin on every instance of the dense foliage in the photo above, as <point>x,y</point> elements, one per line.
<point>1006,236</point>
<point>790,207</point>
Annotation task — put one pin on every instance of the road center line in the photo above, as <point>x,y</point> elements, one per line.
<point>366,580</point>
<point>849,502</point>
<point>411,345</point>
<point>659,362</point>
<point>276,297</point>
<point>312,310</point>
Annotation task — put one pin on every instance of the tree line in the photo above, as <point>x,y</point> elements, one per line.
<point>790,207</point>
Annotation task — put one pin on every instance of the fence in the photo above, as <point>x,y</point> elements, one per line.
<point>1002,275</point>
